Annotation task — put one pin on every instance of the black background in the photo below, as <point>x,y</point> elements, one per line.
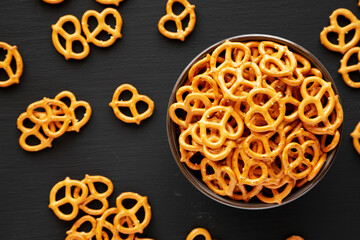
<point>138,158</point>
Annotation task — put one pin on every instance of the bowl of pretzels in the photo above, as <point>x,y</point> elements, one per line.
<point>254,121</point>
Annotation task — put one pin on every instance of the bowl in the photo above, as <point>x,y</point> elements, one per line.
<point>195,177</point>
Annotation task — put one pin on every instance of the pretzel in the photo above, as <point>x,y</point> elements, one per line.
<point>171,16</point>
<point>345,69</point>
<point>53,1</point>
<point>137,226</point>
<point>356,136</point>
<point>75,124</point>
<point>109,2</point>
<point>294,237</point>
<point>94,194</point>
<point>75,236</point>
<point>79,223</point>
<point>45,141</point>
<point>47,105</point>
<point>131,104</point>
<point>334,27</point>
<point>68,52</point>
<point>68,199</point>
<point>198,232</point>
<point>102,26</point>
<point>256,120</point>
<point>12,54</point>
<point>218,176</point>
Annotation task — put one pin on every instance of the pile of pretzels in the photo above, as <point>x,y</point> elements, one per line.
<point>256,119</point>
<point>79,194</point>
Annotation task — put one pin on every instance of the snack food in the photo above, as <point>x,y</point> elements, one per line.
<point>12,54</point>
<point>294,237</point>
<point>108,2</point>
<point>53,121</point>
<point>68,52</point>
<point>131,104</point>
<point>256,119</point>
<point>356,136</point>
<point>345,69</point>
<point>197,232</point>
<point>171,16</point>
<point>102,26</point>
<point>53,1</point>
<point>80,193</point>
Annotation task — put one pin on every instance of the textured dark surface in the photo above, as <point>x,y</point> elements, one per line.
<point>138,158</point>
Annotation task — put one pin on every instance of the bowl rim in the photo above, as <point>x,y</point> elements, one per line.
<point>198,183</point>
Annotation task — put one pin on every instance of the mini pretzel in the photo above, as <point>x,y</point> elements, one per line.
<point>95,195</point>
<point>79,223</point>
<point>53,1</point>
<point>356,136</point>
<point>131,104</point>
<point>198,232</point>
<point>74,104</point>
<point>102,26</point>
<point>171,16</point>
<point>68,199</point>
<point>45,141</point>
<point>294,237</point>
<point>12,54</point>
<point>47,105</point>
<point>103,223</point>
<point>75,236</point>
<point>345,69</point>
<point>69,38</point>
<point>137,226</point>
<point>334,27</point>
<point>108,2</point>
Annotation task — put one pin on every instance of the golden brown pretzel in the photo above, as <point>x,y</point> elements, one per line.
<point>171,16</point>
<point>137,226</point>
<point>108,2</point>
<point>334,27</point>
<point>53,1</point>
<point>68,52</point>
<point>198,232</point>
<point>12,54</point>
<point>75,236</point>
<point>131,104</point>
<point>74,104</point>
<point>345,69</point>
<point>356,136</point>
<point>45,141</point>
<point>68,199</point>
<point>102,26</point>
<point>79,223</point>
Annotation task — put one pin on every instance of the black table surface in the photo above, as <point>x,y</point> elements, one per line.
<point>138,158</point>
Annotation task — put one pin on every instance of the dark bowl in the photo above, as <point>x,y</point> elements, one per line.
<point>195,179</point>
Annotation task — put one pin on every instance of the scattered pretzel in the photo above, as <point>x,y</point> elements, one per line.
<point>109,2</point>
<point>356,136</point>
<point>102,26</point>
<point>53,1</point>
<point>171,16</point>
<point>199,232</point>
<point>256,120</point>
<point>55,119</point>
<point>131,104</point>
<point>345,69</point>
<point>11,55</point>
<point>68,52</point>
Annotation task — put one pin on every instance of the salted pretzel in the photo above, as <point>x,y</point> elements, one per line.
<point>259,112</point>
<point>171,16</point>
<point>75,124</point>
<point>45,141</point>
<point>75,236</point>
<point>222,187</point>
<point>68,199</point>
<point>356,136</point>
<point>94,195</point>
<point>342,46</point>
<point>53,1</point>
<point>68,52</point>
<point>137,226</point>
<point>102,26</point>
<point>345,69</point>
<point>109,2</point>
<point>198,232</point>
<point>48,104</point>
<point>131,104</point>
<point>79,223</point>
<point>12,54</point>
